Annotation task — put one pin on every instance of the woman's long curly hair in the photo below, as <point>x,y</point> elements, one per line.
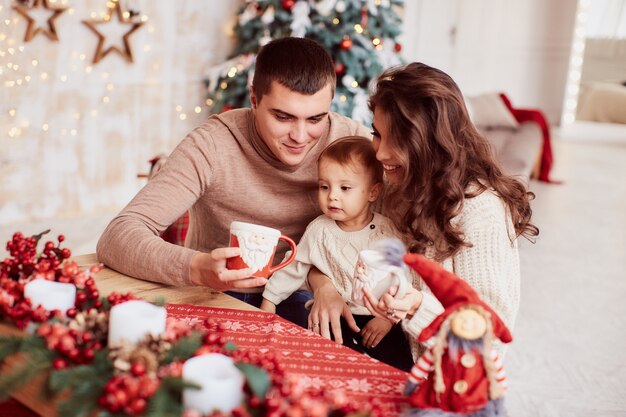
<point>446,160</point>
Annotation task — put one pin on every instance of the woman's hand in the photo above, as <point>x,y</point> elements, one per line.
<point>374,331</point>
<point>390,308</point>
<point>328,308</point>
<point>209,269</point>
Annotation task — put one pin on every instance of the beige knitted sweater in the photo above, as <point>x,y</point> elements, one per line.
<point>222,171</point>
<point>491,266</point>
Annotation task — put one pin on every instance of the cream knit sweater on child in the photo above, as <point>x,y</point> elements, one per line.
<point>334,252</point>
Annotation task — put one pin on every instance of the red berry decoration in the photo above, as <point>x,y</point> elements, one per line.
<point>345,44</point>
<point>287,4</point>
<point>138,369</point>
<point>397,47</point>
<point>59,363</point>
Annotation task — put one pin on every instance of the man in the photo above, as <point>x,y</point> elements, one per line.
<point>254,165</point>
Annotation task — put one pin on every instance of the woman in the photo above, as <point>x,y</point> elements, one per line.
<point>446,194</point>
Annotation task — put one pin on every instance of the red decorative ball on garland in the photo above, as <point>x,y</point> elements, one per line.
<point>287,4</point>
<point>340,68</point>
<point>345,44</point>
<point>397,47</point>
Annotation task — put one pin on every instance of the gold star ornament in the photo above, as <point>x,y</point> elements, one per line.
<point>123,18</point>
<point>32,29</point>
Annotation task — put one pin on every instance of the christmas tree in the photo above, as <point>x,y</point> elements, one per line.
<point>359,34</point>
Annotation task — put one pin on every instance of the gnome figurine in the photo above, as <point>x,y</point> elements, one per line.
<point>460,374</point>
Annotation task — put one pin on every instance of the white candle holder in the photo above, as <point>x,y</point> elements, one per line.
<point>220,381</point>
<point>133,320</point>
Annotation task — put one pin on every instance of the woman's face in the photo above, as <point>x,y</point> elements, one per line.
<point>386,151</point>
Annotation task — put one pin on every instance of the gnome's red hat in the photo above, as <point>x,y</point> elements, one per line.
<point>453,293</point>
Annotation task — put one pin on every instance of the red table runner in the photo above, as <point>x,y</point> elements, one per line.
<point>317,362</point>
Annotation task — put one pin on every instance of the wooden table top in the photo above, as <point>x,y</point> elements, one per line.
<point>109,281</point>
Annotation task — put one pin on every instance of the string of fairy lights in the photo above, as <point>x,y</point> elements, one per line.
<point>22,69</point>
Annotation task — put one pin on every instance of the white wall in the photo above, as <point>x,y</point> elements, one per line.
<point>517,47</point>
<point>74,135</point>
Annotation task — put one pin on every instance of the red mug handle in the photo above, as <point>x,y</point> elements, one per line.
<point>291,258</point>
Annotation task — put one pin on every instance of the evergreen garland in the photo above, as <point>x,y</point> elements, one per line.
<point>37,359</point>
<point>86,377</point>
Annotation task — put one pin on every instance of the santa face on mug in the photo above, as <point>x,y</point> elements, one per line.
<point>256,249</point>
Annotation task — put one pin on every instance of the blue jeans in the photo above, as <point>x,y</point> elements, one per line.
<point>291,309</point>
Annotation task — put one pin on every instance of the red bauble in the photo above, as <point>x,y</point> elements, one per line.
<point>287,4</point>
<point>339,68</point>
<point>397,47</point>
<point>346,44</point>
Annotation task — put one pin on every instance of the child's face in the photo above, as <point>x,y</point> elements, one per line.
<point>345,192</point>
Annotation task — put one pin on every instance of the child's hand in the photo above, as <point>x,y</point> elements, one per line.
<point>268,306</point>
<point>374,331</point>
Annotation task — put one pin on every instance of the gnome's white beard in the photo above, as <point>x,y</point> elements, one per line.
<point>255,255</point>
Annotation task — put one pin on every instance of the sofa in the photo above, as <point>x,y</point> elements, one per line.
<point>520,138</point>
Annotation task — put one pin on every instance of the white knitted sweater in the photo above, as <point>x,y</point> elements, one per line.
<point>491,266</point>
<point>334,252</point>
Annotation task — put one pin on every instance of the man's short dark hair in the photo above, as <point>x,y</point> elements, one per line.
<point>302,65</point>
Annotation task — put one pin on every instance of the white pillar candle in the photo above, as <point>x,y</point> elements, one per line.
<point>51,295</point>
<point>221,383</point>
<point>132,320</point>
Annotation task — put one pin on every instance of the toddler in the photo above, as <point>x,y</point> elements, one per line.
<point>350,182</point>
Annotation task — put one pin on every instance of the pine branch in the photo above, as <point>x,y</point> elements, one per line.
<point>184,348</point>
<point>33,343</point>
<point>166,401</point>
<point>82,402</point>
<point>258,379</point>
<point>9,345</point>
<point>34,364</point>
<point>86,384</point>
<point>230,346</point>
<point>177,384</point>
<point>78,377</point>
<point>84,394</point>
<point>105,413</point>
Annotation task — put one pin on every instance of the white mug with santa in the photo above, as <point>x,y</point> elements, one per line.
<point>258,246</point>
<point>380,268</point>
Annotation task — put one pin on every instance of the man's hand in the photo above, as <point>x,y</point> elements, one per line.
<point>374,331</point>
<point>209,270</point>
<point>328,308</point>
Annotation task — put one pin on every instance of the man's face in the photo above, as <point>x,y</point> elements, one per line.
<point>291,123</point>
